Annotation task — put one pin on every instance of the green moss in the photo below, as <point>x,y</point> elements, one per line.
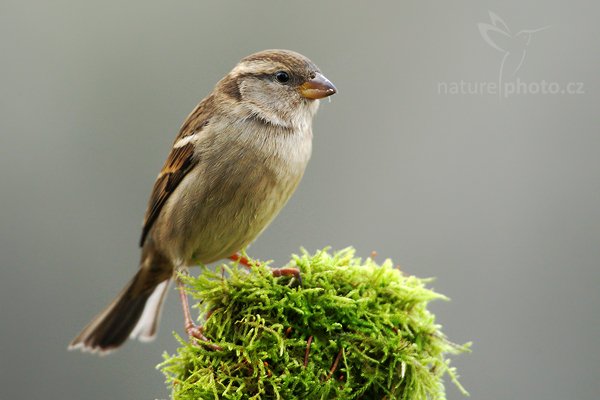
<point>371,318</point>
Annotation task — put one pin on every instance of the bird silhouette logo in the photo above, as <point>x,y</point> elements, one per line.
<point>513,46</point>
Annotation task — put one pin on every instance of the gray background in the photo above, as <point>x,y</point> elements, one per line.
<point>497,198</point>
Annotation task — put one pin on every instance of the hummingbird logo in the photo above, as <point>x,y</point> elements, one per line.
<point>513,46</point>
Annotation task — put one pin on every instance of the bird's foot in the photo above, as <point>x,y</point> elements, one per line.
<point>288,271</point>
<point>194,331</point>
<point>277,272</point>
<point>245,261</point>
<point>197,332</point>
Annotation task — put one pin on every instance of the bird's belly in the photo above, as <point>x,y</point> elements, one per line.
<point>235,226</point>
<point>219,216</point>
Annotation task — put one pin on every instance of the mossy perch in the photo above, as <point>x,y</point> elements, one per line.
<point>352,330</point>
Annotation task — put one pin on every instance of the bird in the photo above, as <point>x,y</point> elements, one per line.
<point>237,159</point>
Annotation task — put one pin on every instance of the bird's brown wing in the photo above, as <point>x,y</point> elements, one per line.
<point>180,161</point>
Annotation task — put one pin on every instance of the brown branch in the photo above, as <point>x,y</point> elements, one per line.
<point>335,363</point>
<point>308,343</point>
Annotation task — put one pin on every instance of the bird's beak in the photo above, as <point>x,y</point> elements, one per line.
<point>317,88</point>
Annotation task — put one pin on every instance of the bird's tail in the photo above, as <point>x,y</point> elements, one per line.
<point>134,313</point>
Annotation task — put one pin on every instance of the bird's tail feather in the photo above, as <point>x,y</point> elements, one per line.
<point>134,313</point>
<point>147,325</point>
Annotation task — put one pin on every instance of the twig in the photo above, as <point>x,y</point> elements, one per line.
<point>308,343</point>
<point>335,363</point>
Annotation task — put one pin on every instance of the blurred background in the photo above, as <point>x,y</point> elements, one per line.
<point>498,197</point>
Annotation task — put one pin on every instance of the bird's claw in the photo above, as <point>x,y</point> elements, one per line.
<point>197,332</point>
<point>295,272</point>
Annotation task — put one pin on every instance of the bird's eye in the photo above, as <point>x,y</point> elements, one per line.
<point>282,76</point>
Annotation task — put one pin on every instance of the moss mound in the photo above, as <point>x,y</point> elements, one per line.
<point>352,330</point>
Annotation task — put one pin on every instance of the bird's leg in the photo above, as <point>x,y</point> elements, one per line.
<point>295,272</point>
<point>193,330</point>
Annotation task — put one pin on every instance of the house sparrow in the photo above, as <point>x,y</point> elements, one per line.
<point>236,161</point>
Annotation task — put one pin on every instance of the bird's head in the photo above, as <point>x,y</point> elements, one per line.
<point>280,87</point>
